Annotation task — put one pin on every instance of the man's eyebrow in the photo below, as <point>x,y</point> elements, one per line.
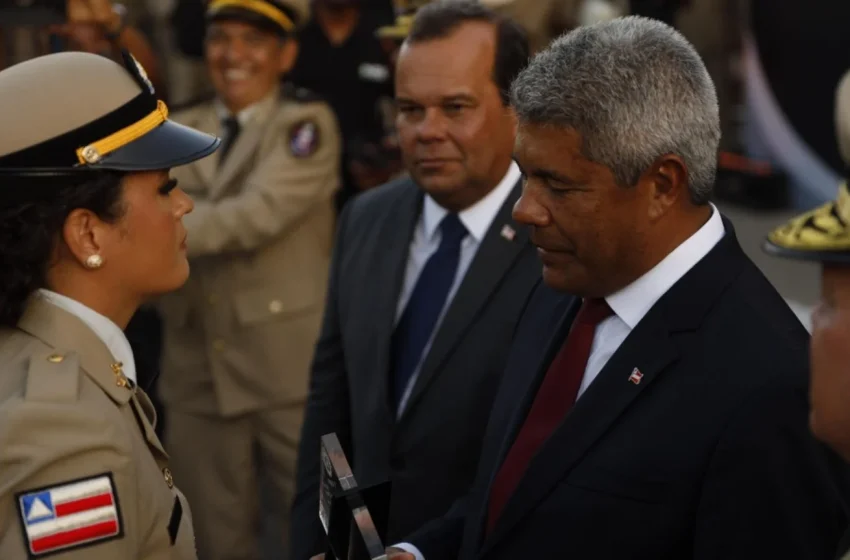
<point>464,97</point>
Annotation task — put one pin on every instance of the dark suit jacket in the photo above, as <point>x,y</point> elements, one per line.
<point>708,457</point>
<point>431,453</point>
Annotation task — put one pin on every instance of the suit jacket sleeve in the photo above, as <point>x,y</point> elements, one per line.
<point>441,538</point>
<point>279,192</point>
<point>768,492</point>
<point>327,411</point>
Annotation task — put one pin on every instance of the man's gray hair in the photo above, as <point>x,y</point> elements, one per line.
<point>635,89</point>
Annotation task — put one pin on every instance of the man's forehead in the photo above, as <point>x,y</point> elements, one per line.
<point>532,136</point>
<point>469,47</point>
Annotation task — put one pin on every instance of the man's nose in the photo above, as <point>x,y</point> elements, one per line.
<point>433,126</point>
<point>527,210</point>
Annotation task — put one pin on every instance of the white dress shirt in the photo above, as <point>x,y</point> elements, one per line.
<point>107,331</point>
<point>426,239</point>
<point>633,302</point>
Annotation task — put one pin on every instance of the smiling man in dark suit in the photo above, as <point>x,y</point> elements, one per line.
<point>428,279</point>
<point>662,413</point>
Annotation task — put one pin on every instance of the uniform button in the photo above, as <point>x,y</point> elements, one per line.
<point>55,358</point>
<point>169,480</point>
<point>275,306</point>
<point>218,345</point>
<point>213,299</point>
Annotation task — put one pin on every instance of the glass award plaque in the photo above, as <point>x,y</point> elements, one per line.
<point>354,517</point>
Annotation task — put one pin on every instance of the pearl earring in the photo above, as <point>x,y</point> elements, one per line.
<point>94,262</point>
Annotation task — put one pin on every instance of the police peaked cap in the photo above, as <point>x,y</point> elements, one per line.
<point>72,112</point>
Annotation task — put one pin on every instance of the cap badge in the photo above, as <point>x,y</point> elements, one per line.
<point>143,75</point>
<point>90,154</point>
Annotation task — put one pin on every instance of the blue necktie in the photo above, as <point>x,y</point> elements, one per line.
<point>417,323</point>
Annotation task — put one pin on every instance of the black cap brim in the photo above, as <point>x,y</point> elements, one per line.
<point>824,257</point>
<point>169,145</point>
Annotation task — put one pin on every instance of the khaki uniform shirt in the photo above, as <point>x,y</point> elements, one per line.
<point>82,473</point>
<point>239,336</point>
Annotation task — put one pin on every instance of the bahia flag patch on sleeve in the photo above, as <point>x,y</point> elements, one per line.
<point>73,514</point>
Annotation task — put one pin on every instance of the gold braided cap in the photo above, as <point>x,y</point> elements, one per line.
<point>820,234</point>
<point>268,10</point>
<point>398,30</point>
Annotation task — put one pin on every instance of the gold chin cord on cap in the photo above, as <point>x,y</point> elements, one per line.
<point>257,6</point>
<point>95,151</point>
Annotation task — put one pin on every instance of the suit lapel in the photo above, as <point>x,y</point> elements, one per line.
<point>492,261</point>
<point>147,416</point>
<point>561,310</point>
<point>242,152</point>
<point>390,262</point>
<point>649,347</point>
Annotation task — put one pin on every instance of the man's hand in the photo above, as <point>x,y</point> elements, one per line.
<point>392,554</point>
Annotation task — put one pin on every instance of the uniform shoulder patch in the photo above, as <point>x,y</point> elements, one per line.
<point>304,138</point>
<point>69,515</point>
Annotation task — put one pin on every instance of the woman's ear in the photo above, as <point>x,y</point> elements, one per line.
<point>83,234</point>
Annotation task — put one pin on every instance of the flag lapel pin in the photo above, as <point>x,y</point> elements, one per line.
<point>636,376</point>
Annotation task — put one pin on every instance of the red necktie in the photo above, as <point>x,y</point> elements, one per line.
<point>554,398</point>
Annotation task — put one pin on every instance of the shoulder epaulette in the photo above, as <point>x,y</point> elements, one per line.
<point>53,376</point>
<point>299,94</point>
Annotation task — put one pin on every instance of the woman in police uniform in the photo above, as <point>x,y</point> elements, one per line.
<point>90,227</point>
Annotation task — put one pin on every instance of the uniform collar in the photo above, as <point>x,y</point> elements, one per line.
<point>635,300</point>
<point>107,331</point>
<point>478,217</point>
<point>249,113</point>
<point>67,332</point>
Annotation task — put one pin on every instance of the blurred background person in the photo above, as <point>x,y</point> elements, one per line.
<point>94,26</point>
<point>440,270</point>
<point>184,32</point>
<point>543,20</point>
<point>342,61</point>
<point>238,338</point>
<point>823,236</point>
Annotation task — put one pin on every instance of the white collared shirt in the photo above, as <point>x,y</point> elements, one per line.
<point>426,239</point>
<point>634,301</point>
<point>243,116</point>
<point>107,331</point>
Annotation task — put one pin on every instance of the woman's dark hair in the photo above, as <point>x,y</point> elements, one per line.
<point>32,215</point>
<point>438,20</point>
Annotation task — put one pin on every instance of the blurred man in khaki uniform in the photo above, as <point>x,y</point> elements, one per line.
<point>823,235</point>
<point>238,339</point>
<point>90,227</point>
